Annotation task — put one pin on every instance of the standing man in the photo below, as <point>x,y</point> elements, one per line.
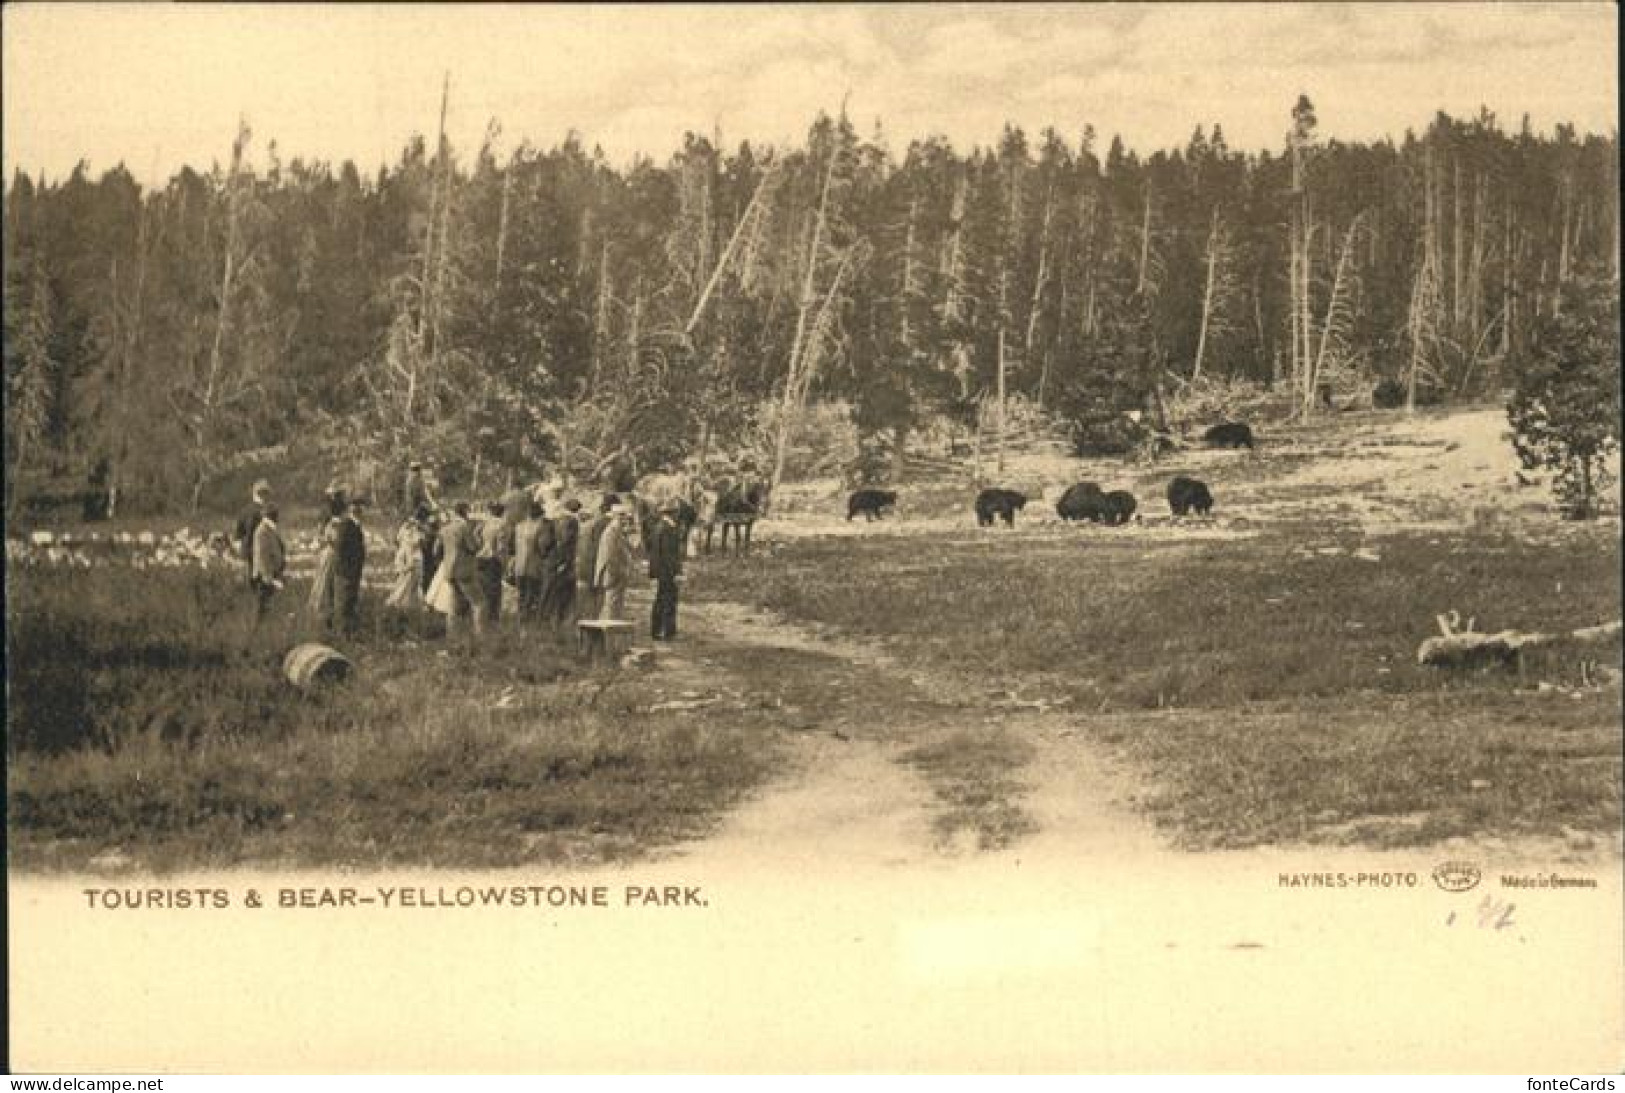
<point>349,558</point>
<point>323,594</point>
<point>559,606</point>
<point>532,562</point>
<point>588,603</point>
<point>665,567</point>
<point>613,570</point>
<point>496,547</point>
<point>268,561</point>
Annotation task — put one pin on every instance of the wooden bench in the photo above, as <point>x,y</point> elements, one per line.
<point>603,638</point>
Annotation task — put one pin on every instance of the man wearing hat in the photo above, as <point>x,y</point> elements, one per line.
<point>491,560</point>
<point>558,606</point>
<point>349,558</point>
<point>532,562</point>
<point>612,571</point>
<point>590,535</point>
<point>665,567</point>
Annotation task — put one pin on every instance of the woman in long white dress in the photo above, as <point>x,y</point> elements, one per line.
<point>407,591</point>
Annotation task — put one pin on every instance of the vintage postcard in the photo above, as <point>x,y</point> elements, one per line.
<point>1045,538</point>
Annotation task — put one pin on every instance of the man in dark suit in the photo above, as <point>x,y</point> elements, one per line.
<point>559,606</point>
<point>665,566</point>
<point>533,546</point>
<point>496,547</point>
<point>349,558</point>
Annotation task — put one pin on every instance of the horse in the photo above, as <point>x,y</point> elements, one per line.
<point>735,506</point>
<point>655,490</point>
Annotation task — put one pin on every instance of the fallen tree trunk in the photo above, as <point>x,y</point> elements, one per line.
<point>1466,648</point>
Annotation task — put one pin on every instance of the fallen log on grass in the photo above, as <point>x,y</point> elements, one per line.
<point>1465,647</point>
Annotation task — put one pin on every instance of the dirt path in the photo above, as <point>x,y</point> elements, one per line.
<point>873,779</point>
<point>857,789</point>
<point>861,937</point>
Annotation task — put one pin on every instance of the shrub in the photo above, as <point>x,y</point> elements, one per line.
<point>1390,394</point>
<point>1211,400</point>
<point>1565,406</point>
<point>1107,433</point>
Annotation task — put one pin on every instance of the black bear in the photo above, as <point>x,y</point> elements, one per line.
<point>1083,501</point>
<point>998,503</point>
<point>872,503</point>
<point>1232,434</point>
<point>1187,495</point>
<point>1118,506</point>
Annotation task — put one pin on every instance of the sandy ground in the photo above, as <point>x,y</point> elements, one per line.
<point>833,931</point>
<point>1383,472</point>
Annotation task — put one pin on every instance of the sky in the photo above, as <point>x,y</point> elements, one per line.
<point>155,86</point>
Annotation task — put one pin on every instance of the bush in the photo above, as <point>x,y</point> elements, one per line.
<point>1390,394</point>
<point>1107,433</point>
<point>873,464</point>
<point>1211,400</point>
<point>822,441</point>
<point>1565,408</point>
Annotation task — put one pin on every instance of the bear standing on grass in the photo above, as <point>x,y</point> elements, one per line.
<point>1000,504</point>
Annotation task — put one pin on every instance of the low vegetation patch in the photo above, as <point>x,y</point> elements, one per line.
<point>1402,770</point>
<point>1124,622</point>
<point>976,776</point>
<point>1269,686</point>
<point>149,726</point>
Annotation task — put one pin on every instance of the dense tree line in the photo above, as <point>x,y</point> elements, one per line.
<point>507,311</point>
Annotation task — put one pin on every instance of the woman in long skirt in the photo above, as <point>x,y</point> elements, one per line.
<point>454,592</point>
<point>407,591</point>
<point>322,587</point>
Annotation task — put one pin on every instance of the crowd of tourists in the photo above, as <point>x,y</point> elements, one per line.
<point>553,562</point>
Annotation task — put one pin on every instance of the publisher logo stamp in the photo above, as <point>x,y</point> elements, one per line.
<point>1457,876</point>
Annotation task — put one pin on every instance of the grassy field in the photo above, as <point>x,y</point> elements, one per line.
<point>149,726</point>
<point>1257,676</point>
<point>1267,686</point>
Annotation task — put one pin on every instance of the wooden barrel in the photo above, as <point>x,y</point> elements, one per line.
<point>312,665</point>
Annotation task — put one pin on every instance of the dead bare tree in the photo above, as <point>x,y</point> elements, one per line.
<point>798,374</point>
<point>1219,291</point>
<point>222,384</point>
<point>1337,323</point>
<point>1422,324</point>
<point>1300,140</point>
<point>1140,283</point>
<point>747,233</point>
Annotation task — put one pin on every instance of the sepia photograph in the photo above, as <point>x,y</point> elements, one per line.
<point>1055,538</point>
